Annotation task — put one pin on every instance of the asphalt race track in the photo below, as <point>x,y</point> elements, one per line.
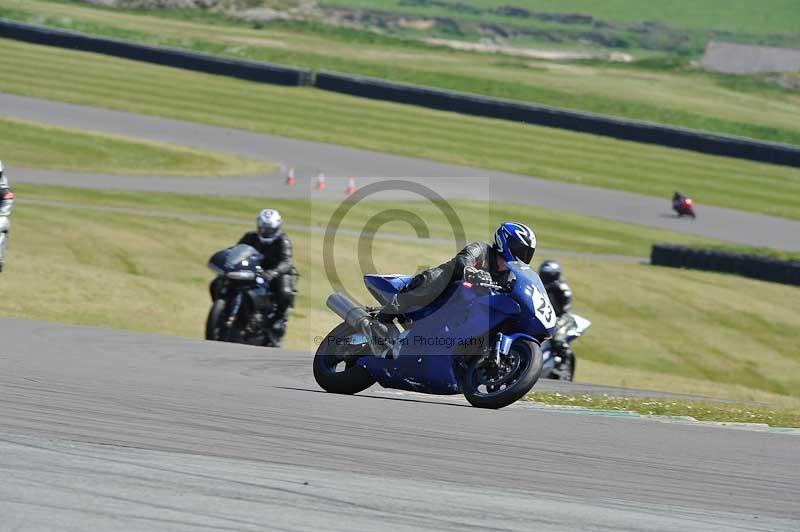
<point>452,182</point>
<point>103,430</point>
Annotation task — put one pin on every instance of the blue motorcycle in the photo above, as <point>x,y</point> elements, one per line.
<point>480,340</point>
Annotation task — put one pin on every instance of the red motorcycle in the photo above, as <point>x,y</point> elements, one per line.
<point>683,205</point>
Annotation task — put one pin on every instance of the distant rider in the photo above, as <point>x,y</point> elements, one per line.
<point>677,199</point>
<point>278,265</point>
<point>478,262</point>
<point>6,202</point>
<point>560,296</point>
<point>557,288</point>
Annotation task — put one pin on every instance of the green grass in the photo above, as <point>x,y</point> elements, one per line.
<point>656,328</point>
<point>557,230</point>
<point>699,410</point>
<point>745,16</point>
<point>406,130</point>
<point>33,145</point>
<point>659,91</point>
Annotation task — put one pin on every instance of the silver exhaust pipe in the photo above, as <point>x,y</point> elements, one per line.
<point>352,314</point>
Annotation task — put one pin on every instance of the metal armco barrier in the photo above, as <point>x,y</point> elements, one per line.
<point>211,64</point>
<point>609,126</point>
<point>754,266</point>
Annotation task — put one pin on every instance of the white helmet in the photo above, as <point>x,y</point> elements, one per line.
<point>268,223</point>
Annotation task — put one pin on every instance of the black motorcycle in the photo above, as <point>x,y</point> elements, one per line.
<point>243,309</point>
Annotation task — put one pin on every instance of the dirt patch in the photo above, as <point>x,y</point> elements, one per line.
<point>416,23</point>
<point>553,55</point>
<point>257,41</point>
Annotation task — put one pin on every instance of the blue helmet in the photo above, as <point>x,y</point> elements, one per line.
<point>515,241</point>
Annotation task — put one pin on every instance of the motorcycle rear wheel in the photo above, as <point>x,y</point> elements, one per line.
<point>486,385</point>
<point>335,368</point>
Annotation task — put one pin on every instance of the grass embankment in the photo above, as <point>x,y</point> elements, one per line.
<point>406,130</point>
<point>656,328</point>
<point>558,230</point>
<point>699,410</point>
<point>33,145</point>
<point>661,91</point>
<point>677,27</point>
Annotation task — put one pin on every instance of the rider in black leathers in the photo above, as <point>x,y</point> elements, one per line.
<point>560,295</point>
<point>557,288</point>
<point>278,264</point>
<point>6,202</point>
<point>426,286</point>
<point>478,262</point>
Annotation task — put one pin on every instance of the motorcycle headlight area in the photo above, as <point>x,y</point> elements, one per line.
<point>241,276</point>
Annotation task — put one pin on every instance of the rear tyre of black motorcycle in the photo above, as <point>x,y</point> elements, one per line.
<point>214,320</point>
<point>333,353</point>
<point>567,371</point>
<point>573,365</point>
<point>530,368</point>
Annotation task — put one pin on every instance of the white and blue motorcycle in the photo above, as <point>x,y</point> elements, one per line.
<point>559,358</point>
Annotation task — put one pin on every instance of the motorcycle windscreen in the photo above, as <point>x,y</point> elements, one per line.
<point>231,257</point>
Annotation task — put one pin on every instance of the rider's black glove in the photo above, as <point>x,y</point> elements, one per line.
<point>269,275</point>
<point>476,276</point>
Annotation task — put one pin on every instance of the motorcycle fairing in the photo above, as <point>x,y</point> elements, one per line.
<point>259,296</point>
<point>538,318</point>
<point>239,257</point>
<point>427,358</point>
<point>430,353</point>
<point>242,257</point>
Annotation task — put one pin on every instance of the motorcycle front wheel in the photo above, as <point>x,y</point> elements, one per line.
<point>214,320</point>
<point>335,368</point>
<point>217,329</point>
<point>489,385</point>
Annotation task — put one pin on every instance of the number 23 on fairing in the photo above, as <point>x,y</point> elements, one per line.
<point>543,309</point>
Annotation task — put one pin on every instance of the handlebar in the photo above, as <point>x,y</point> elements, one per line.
<point>486,285</point>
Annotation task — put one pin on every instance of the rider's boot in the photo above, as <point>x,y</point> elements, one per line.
<point>384,334</point>
<point>279,330</point>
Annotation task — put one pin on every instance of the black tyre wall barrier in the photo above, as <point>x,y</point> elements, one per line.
<point>211,64</point>
<point>753,266</point>
<point>609,126</point>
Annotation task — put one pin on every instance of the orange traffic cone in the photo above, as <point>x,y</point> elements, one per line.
<point>320,185</point>
<point>351,187</point>
<point>290,180</point>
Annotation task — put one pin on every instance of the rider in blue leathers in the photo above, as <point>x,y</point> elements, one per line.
<point>477,262</point>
